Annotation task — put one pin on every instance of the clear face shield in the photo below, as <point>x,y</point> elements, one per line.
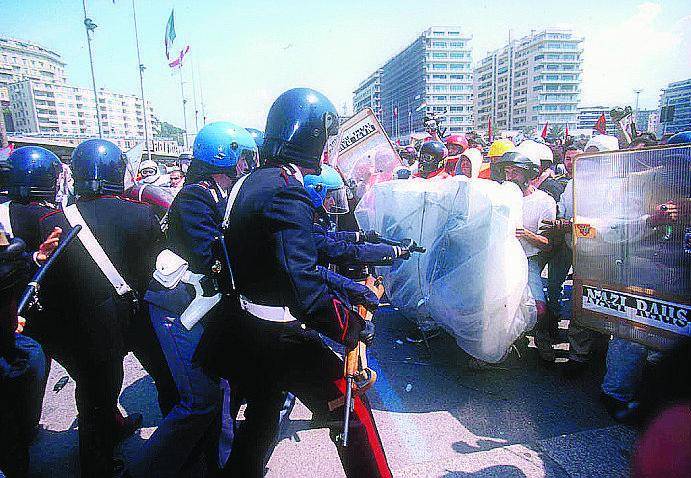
<point>248,162</point>
<point>336,201</point>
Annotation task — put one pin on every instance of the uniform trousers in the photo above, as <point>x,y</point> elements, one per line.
<point>263,360</point>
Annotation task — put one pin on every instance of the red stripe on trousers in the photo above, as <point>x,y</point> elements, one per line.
<point>375,445</point>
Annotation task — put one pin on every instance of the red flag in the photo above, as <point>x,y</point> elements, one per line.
<point>489,129</point>
<point>601,124</point>
<point>544,131</point>
<point>566,133</point>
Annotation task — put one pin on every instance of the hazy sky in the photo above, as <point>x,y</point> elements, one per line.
<point>248,52</point>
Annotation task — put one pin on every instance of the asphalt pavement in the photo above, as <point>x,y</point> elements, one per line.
<point>436,417</point>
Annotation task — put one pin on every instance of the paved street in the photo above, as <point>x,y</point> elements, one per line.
<point>437,418</point>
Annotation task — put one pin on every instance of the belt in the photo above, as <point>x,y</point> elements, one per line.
<point>266,312</point>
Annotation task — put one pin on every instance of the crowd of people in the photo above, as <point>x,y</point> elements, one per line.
<point>238,302</point>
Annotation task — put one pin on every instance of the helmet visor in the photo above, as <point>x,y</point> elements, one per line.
<point>336,201</point>
<point>247,162</point>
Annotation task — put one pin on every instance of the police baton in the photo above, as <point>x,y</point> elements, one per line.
<point>30,295</point>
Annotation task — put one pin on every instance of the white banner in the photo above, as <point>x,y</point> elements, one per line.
<point>656,313</point>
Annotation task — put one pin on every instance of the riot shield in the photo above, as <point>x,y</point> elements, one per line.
<point>631,269</point>
<point>473,278</point>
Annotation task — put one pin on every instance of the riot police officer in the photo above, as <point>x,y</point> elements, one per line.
<point>269,342</point>
<point>328,194</point>
<point>92,298</point>
<point>183,295</point>
<point>31,187</point>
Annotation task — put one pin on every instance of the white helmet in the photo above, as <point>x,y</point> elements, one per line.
<point>475,157</point>
<point>537,152</point>
<point>602,142</point>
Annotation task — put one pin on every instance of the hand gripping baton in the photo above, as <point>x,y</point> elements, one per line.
<point>30,294</point>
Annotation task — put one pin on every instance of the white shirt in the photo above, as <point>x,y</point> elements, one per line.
<point>537,207</point>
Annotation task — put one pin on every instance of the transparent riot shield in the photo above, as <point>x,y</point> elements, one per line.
<point>473,278</point>
<point>632,235</point>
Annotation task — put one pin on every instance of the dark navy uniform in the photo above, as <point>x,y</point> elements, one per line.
<point>274,262</point>
<point>192,425</point>
<point>194,219</point>
<point>90,322</point>
<point>341,248</point>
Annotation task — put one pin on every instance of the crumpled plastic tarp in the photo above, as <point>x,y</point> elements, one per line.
<point>473,278</point>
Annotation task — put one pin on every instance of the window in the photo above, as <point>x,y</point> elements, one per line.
<point>439,77</point>
<point>457,66</point>
<point>440,98</point>
<point>456,77</point>
<point>440,55</point>
<point>456,44</point>
<point>440,66</point>
<point>438,88</point>
<point>552,77</point>
<point>457,54</point>
<point>454,34</point>
<point>439,44</point>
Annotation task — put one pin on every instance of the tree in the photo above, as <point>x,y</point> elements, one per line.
<point>172,132</point>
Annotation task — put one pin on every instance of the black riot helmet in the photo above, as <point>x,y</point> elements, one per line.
<point>432,157</point>
<point>33,174</point>
<point>98,168</point>
<point>298,126</point>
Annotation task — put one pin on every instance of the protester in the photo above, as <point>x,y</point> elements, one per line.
<point>177,178</point>
<point>495,153</point>
<point>538,206</point>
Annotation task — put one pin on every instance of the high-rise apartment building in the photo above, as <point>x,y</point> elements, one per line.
<point>530,82</point>
<point>432,74</point>
<point>368,94</point>
<point>45,107</point>
<point>21,60</point>
<point>588,116</point>
<point>675,107</point>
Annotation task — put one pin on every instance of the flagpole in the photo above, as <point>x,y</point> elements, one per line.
<point>141,81</point>
<point>184,111</point>
<point>194,100</point>
<point>201,91</point>
<point>89,26</point>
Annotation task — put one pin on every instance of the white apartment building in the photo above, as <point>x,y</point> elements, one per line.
<point>46,107</point>
<point>529,82</point>
<point>431,74</point>
<point>21,60</point>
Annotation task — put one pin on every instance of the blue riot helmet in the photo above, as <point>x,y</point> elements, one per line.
<point>33,173</point>
<point>224,148</point>
<point>298,126</point>
<point>327,189</point>
<point>682,137</point>
<point>98,167</point>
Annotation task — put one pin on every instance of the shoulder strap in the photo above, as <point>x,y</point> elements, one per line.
<point>231,200</point>
<point>5,218</point>
<point>95,250</point>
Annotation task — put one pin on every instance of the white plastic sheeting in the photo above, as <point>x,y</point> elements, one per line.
<point>473,278</point>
